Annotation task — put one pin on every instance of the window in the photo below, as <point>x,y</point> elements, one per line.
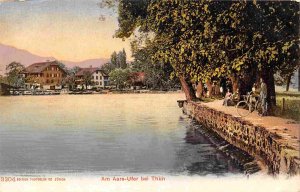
<point>96,77</point>
<point>101,83</point>
<point>97,83</point>
<point>47,81</point>
<point>100,77</point>
<point>52,81</point>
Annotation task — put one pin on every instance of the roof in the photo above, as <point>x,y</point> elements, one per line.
<point>137,76</point>
<point>39,67</point>
<point>90,70</point>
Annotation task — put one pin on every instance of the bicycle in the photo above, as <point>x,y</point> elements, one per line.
<point>249,104</point>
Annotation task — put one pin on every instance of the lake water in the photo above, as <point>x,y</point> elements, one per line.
<point>130,133</point>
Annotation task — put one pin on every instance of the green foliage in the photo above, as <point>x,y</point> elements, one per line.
<point>107,67</point>
<point>291,109</point>
<point>132,14</point>
<point>3,79</point>
<point>157,74</point>
<point>121,59</point>
<point>117,60</point>
<point>119,77</point>
<point>14,74</point>
<point>114,60</point>
<point>203,39</point>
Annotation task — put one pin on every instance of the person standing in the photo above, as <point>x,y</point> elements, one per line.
<point>263,97</point>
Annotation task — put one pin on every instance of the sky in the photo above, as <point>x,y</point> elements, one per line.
<point>64,29</point>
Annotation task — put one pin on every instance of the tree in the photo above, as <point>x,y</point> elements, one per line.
<point>14,74</point>
<point>107,67</point>
<point>119,77</point>
<point>207,39</point>
<point>157,75</point>
<point>121,57</point>
<point>3,79</point>
<point>70,80</point>
<point>73,70</point>
<point>87,78</point>
<point>114,60</point>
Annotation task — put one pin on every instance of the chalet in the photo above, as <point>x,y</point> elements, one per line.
<point>98,78</point>
<point>45,75</point>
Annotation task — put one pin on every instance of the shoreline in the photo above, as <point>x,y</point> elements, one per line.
<point>104,92</point>
<point>279,151</point>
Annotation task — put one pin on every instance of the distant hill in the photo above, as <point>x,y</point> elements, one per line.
<point>9,54</point>
<point>86,63</point>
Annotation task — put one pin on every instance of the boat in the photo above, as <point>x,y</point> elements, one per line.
<point>27,93</point>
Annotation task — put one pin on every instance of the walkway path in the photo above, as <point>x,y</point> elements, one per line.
<point>288,129</point>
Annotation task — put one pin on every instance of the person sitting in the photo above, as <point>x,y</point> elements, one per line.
<point>236,96</point>
<point>228,98</point>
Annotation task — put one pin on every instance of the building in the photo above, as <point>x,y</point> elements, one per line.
<point>45,75</point>
<point>98,78</point>
<point>137,80</point>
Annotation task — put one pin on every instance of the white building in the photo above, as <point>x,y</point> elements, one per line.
<point>98,78</point>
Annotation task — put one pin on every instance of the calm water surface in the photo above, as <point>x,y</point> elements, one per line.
<point>132,133</point>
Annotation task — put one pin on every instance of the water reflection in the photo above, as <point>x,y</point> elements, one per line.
<point>200,155</point>
<point>104,133</point>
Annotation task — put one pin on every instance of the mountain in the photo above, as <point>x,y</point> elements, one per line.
<point>9,54</point>
<point>86,63</point>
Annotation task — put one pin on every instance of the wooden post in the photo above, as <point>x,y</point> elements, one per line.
<point>283,105</point>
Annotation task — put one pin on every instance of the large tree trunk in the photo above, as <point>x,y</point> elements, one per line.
<point>209,87</point>
<point>268,77</point>
<point>299,79</point>
<point>288,82</point>
<point>187,89</point>
<point>235,83</point>
<point>199,91</point>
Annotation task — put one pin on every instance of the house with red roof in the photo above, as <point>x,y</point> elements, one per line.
<point>137,79</point>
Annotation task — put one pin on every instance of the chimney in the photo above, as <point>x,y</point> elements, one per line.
<point>91,66</point>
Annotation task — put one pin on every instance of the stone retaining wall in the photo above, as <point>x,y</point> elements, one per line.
<point>255,140</point>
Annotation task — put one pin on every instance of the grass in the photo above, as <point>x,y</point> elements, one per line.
<point>291,109</point>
